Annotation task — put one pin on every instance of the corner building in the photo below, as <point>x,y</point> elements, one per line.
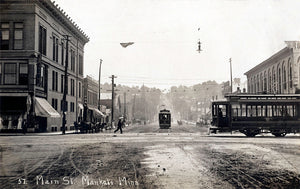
<point>279,74</point>
<point>32,62</point>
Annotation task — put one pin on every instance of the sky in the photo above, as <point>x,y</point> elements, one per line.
<point>166,32</point>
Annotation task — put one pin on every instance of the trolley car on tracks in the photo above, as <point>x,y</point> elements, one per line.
<point>164,118</point>
<point>252,114</point>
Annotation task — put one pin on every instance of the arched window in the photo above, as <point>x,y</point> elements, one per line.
<point>261,80</point>
<point>265,82</point>
<point>284,77</point>
<point>279,78</point>
<point>290,73</point>
<point>251,85</point>
<point>254,84</point>
<point>274,80</point>
<point>257,81</point>
<point>270,81</point>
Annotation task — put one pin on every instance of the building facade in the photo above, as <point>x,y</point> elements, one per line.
<point>279,74</point>
<point>32,62</point>
<point>91,100</point>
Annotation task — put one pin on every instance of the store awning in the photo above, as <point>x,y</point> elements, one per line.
<point>44,109</point>
<point>80,106</point>
<point>97,112</point>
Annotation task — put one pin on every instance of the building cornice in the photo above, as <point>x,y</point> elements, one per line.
<point>274,58</point>
<point>57,13</point>
<point>64,18</point>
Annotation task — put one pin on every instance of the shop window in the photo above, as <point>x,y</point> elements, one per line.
<point>10,73</point>
<point>23,74</point>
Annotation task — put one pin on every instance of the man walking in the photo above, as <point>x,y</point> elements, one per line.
<point>120,124</point>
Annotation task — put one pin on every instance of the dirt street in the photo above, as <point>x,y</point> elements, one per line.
<point>147,157</point>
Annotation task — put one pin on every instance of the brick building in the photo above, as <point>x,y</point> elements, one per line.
<point>32,62</point>
<point>278,74</point>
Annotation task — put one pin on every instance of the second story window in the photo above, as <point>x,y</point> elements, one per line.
<point>23,75</point>
<point>55,48</point>
<point>4,38</point>
<point>42,40</point>
<point>40,77</point>
<point>79,90</point>
<point>72,88</point>
<point>54,80</point>
<point>62,53</point>
<point>18,35</point>
<point>10,73</point>
<point>72,60</point>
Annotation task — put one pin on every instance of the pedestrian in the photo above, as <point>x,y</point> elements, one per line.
<point>120,124</point>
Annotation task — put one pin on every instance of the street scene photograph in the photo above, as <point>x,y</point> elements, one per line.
<point>150,94</point>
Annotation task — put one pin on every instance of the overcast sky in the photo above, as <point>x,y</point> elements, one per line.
<point>165,35</point>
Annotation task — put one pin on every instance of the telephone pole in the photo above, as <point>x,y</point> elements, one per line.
<point>230,75</point>
<point>99,84</point>
<point>64,121</point>
<point>124,105</point>
<point>112,97</point>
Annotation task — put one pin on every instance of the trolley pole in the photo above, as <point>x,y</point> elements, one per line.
<point>64,121</point>
<point>230,75</point>
<point>112,97</point>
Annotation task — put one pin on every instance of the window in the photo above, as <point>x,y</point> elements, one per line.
<point>40,75</point>
<point>265,82</point>
<point>279,80</point>
<point>72,88</point>
<point>4,38</point>
<point>62,53</point>
<point>62,84</point>
<point>55,48</point>
<point>23,74</point>
<point>72,107</point>
<point>18,35</point>
<point>0,73</point>
<point>10,73</point>
<point>270,81</point>
<point>79,90</point>
<point>291,74</point>
<point>72,60</point>
<point>54,103</point>
<point>54,80</point>
<point>42,40</point>
<point>80,65</point>
<point>284,78</point>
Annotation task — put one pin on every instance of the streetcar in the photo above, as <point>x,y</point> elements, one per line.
<point>164,118</point>
<point>252,114</point>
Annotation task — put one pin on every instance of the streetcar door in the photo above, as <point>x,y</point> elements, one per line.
<point>220,117</point>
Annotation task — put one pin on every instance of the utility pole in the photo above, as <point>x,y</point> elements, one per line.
<point>99,84</point>
<point>112,97</point>
<point>64,121</point>
<point>124,105</point>
<point>230,75</point>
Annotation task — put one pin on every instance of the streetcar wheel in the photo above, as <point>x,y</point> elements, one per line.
<point>250,132</point>
<point>279,134</point>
